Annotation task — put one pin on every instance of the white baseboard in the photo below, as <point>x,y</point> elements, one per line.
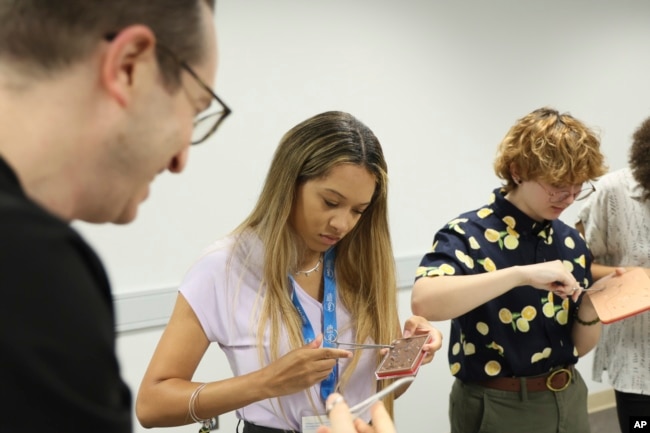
<point>601,400</point>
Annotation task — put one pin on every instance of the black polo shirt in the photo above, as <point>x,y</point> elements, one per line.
<point>58,368</point>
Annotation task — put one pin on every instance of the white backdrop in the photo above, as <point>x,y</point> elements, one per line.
<point>439,82</point>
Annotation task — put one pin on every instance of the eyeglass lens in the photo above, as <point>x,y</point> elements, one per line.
<point>205,125</point>
<point>563,195</point>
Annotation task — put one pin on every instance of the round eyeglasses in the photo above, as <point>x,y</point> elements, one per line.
<point>560,196</point>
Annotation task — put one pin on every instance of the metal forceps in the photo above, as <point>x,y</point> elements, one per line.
<point>361,346</point>
<point>358,409</point>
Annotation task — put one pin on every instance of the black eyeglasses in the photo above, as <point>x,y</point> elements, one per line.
<point>560,196</point>
<point>207,122</point>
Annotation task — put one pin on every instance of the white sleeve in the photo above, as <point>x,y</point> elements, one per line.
<point>203,288</point>
<point>594,216</point>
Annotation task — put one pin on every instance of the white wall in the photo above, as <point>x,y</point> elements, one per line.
<point>439,82</point>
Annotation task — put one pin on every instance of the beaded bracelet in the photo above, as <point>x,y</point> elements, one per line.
<point>582,322</point>
<point>207,425</point>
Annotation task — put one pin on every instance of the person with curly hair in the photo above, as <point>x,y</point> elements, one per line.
<point>616,224</point>
<point>510,276</point>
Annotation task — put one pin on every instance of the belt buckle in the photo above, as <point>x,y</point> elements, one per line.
<point>549,379</point>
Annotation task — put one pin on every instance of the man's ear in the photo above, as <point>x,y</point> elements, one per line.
<point>132,50</point>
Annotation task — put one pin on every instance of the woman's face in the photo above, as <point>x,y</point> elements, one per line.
<point>542,201</point>
<point>328,208</point>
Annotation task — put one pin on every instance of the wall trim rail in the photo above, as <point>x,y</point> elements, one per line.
<point>152,308</point>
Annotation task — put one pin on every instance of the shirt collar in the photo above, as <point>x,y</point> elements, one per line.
<point>515,218</point>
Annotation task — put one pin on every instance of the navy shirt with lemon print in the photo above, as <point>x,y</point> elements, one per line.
<point>526,331</point>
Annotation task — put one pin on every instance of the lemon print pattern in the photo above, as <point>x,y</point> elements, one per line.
<point>455,225</point>
<point>508,238</point>
<point>547,235</point>
<point>510,242</point>
<point>538,356</point>
<point>505,316</point>
<point>522,324</point>
<point>469,348</point>
<point>559,312</point>
<point>510,221</point>
<point>488,264</point>
<point>492,368</point>
<point>493,345</point>
<point>529,313</point>
<point>549,310</point>
<point>524,329</point>
<point>569,242</point>
<point>568,265</point>
<point>492,235</point>
<point>482,328</point>
<point>519,321</point>
<point>435,271</point>
<point>484,212</point>
<point>467,260</point>
<point>562,317</point>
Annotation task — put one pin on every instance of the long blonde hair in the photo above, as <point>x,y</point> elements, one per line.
<point>365,267</point>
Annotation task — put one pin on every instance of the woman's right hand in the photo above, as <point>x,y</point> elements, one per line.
<point>301,368</point>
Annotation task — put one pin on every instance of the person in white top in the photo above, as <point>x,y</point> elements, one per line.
<point>616,223</point>
<point>310,268</point>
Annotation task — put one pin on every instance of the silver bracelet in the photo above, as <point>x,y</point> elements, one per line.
<point>208,424</point>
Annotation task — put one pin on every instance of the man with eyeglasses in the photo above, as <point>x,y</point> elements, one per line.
<point>510,276</point>
<point>96,99</point>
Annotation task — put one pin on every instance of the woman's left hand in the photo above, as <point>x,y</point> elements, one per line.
<point>418,325</point>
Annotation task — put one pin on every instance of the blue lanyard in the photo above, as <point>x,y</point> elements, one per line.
<point>330,330</point>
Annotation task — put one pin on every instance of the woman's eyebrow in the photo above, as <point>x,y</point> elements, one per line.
<point>333,191</point>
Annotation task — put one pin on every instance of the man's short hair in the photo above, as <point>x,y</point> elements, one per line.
<point>43,37</point>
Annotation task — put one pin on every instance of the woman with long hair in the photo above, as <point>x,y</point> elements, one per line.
<point>310,268</point>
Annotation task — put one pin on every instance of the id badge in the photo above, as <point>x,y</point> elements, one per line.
<point>311,423</point>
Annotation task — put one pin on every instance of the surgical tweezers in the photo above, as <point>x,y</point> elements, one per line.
<point>358,409</point>
<point>359,346</point>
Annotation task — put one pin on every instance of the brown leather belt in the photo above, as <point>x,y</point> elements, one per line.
<point>557,380</point>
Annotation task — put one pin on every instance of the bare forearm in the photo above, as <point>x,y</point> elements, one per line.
<point>599,271</point>
<point>444,298</point>
<point>447,297</point>
<point>585,332</point>
<point>166,404</point>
